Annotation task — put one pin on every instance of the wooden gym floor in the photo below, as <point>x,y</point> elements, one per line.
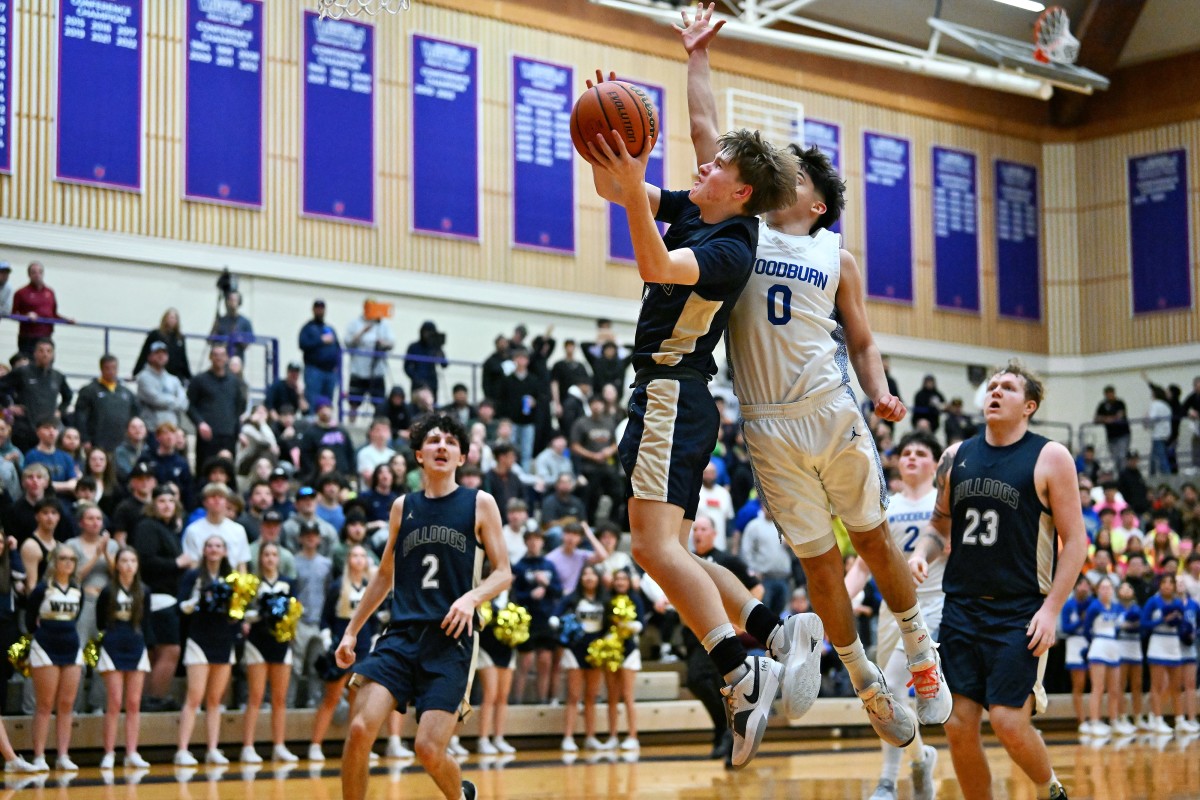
<point>833,769</point>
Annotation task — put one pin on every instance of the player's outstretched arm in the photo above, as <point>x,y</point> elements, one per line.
<point>376,591</point>
<point>935,541</point>
<point>461,616</point>
<point>864,353</point>
<point>857,577</point>
<point>696,34</point>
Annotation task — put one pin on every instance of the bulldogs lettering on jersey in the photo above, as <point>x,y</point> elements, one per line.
<point>438,557</point>
<point>785,340</point>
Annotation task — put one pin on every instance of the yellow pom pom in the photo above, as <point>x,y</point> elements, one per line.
<point>18,654</point>
<point>485,614</point>
<point>245,587</point>
<point>512,625</point>
<point>607,652</point>
<point>285,629</point>
<point>91,651</point>
<point>622,609</point>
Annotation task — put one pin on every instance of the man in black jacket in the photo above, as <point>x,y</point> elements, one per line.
<point>38,391</point>
<point>217,400</point>
<point>105,407</point>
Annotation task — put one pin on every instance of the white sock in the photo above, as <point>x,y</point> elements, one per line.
<point>394,740</point>
<point>718,633</point>
<point>891,763</point>
<point>916,748</point>
<point>854,658</point>
<point>913,632</point>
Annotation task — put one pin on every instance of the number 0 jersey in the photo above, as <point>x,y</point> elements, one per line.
<point>1002,537</point>
<point>906,521</point>
<point>785,340</point>
<point>438,557</point>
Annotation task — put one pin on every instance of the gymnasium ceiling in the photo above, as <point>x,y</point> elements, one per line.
<point>1162,29</point>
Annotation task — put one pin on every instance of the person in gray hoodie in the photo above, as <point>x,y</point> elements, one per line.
<point>161,394</point>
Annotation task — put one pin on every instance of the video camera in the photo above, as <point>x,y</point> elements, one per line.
<point>227,282</point>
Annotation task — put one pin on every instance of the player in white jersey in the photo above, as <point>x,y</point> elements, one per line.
<point>909,512</point>
<point>796,329</point>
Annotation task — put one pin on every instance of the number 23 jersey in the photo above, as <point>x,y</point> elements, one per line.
<point>1002,537</point>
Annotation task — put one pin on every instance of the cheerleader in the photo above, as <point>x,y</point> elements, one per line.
<point>123,614</point>
<point>589,606</point>
<point>1161,618</point>
<point>1129,644</point>
<point>55,655</point>
<point>205,596</point>
<point>266,657</point>
<point>494,665</point>
<point>620,683</point>
<point>1103,618</point>
<point>342,598</point>
<point>1185,719</point>
<point>1071,623</point>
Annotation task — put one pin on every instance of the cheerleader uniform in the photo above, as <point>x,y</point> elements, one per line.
<point>212,633</point>
<point>335,618</point>
<point>52,613</point>
<point>1164,648</point>
<point>1072,627</point>
<point>1101,625</point>
<point>633,653</point>
<point>591,616</point>
<point>269,607</point>
<point>1129,635</point>
<point>492,653</point>
<point>124,647</point>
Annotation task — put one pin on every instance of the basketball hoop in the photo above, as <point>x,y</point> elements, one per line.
<point>1052,38</point>
<point>336,9</point>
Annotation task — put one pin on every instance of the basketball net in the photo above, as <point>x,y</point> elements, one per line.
<point>336,9</point>
<point>1052,38</point>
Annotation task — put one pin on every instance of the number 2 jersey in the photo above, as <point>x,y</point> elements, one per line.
<point>785,340</point>
<point>1002,537</point>
<point>906,520</point>
<point>438,557</point>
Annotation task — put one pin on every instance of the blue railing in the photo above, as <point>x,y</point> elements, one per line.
<point>454,371</point>
<point>116,340</point>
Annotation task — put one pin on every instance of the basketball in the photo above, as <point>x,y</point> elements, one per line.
<point>619,106</point>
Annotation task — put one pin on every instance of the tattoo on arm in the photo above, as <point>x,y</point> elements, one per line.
<point>941,478</point>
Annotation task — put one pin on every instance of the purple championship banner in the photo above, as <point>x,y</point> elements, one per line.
<point>339,120</point>
<point>620,245</point>
<point>828,137</point>
<point>223,85</point>
<point>445,138</point>
<point>1018,242</point>
<point>99,131</point>
<point>6,95</point>
<point>887,204</point>
<point>543,156</point>
<point>955,230</point>
<point>1158,232</point>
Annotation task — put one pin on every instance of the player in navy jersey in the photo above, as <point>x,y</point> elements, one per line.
<point>693,277</point>
<point>431,564</point>
<point>1002,498</point>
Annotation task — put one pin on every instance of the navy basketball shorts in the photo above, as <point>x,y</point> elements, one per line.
<point>985,651</point>
<point>421,665</point>
<point>672,431</point>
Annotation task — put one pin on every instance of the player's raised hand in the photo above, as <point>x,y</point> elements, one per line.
<point>612,76</point>
<point>344,655</point>
<point>889,407</point>
<point>697,33</point>
<point>1042,631</point>
<point>460,618</point>
<point>919,568</point>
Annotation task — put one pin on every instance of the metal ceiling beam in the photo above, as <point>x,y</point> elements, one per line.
<point>1103,32</point>
<point>937,66</point>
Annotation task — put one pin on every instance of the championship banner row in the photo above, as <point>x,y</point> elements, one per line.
<point>100,140</point>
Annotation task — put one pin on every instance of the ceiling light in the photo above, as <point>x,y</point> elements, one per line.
<point>1027,5</point>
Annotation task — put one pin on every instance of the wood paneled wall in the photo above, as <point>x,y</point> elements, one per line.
<point>1074,219</point>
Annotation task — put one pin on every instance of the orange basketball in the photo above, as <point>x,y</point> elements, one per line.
<point>614,106</point>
